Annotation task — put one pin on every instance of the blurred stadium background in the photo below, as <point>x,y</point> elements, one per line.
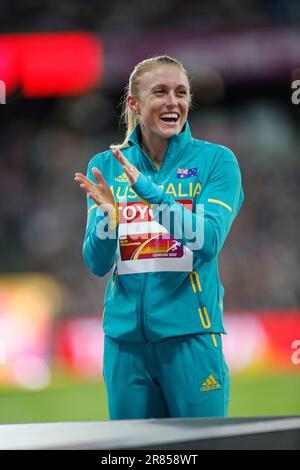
<point>65,66</point>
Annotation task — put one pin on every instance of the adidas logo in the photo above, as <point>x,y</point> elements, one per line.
<point>210,384</point>
<point>122,178</point>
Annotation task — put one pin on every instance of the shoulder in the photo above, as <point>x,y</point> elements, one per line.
<point>100,159</point>
<point>213,154</point>
<point>226,155</point>
<point>214,149</point>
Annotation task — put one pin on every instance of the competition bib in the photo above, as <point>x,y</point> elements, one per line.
<point>146,246</point>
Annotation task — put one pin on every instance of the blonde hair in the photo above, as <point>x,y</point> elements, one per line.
<point>128,116</point>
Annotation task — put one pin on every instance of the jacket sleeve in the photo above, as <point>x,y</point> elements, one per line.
<point>100,242</point>
<point>204,230</point>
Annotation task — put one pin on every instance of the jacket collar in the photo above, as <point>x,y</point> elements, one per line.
<point>179,140</point>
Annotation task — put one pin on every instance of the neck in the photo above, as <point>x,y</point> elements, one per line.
<point>155,149</point>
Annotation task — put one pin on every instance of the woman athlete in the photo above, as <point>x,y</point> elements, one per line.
<point>160,206</point>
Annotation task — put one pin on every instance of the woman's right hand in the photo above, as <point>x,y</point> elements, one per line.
<point>100,193</point>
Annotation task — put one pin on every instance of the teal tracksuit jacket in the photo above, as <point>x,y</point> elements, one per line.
<point>164,286</point>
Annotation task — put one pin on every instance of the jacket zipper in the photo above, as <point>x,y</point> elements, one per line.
<point>141,309</point>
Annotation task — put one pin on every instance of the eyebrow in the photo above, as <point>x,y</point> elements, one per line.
<point>163,85</point>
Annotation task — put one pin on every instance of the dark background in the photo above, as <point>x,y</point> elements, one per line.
<point>44,141</point>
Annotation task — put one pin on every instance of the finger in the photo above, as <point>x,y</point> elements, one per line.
<point>98,175</point>
<point>90,193</point>
<point>94,198</point>
<point>84,181</point>
<point>131,171</point>
<point>120,157</point>
<point>85,187</point>
<point>91,196</point>
<point>80,178</point>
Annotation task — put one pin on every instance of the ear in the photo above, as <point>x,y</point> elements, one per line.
<point>133,104</point>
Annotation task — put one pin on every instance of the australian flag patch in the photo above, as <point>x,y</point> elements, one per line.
<point>186,173</point>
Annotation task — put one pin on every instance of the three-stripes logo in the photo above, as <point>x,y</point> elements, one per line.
<point>122,178</point>
<point>210,384</point>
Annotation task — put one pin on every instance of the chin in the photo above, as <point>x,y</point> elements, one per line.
<point>168,133</point>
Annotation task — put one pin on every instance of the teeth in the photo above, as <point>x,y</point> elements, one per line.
<point>170,115</point>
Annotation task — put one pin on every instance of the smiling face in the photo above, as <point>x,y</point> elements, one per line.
<point>163,101</point>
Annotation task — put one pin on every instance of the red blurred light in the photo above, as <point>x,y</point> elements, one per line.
<point>51,64</point>
<point>9,70</point>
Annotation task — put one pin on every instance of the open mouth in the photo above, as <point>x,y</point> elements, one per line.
<point>169,117</point>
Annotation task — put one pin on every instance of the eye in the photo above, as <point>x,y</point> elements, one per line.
<point>159,91</point>
<point>182,92</point>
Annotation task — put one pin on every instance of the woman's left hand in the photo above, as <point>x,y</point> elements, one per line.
<point>131,171</point>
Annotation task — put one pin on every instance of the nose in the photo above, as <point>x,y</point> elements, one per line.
<point>171,99</point>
